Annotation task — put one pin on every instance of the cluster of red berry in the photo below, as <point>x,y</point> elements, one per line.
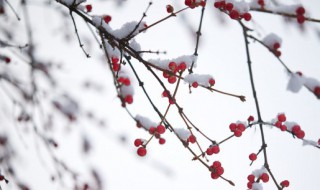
<point>300,15</point>
<point>237,128</point>
<point>216,170</point>
<point>156,132</point>
<point>251,179</point>
<point>295,129</point>
<point>229,9</point>
<point>174,68</point>
<point>213,149</point>
<point>194,3</point>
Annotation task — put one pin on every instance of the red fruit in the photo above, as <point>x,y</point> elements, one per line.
<point>216,164</point>
<point>300,134</point>
<point>169,8</point>
<point>300,19</point>
<point>195,84</point>
<point>171,101</point>
<point>172,66</point>
<point>202,3</point>
<point>264,177</point>
<point>300,10</point>
<point>215,149</point>
<point>107,19</point>
<point>115,67</point>
<point>252,156</point>
<point>233,127</point>
<point>278,124</point>
<point>316,91</point>
<point>172,79</point>
<point>209,151</point>
<point>219,170</point>
<point>7,60</point>
<point>295,129</point>
<point>250,118</point>
<point>214,175</point>
<point>241,127</point>
<point>114,60</point>
<point>217,4</point>
<point>247,16</point>
<point>162,141</point>
<point>299,73</point>
<point>120,79</point>
<point>251,178</point>
<point>161,129</point>
<point>89,8</point>
<point>237,133</point>
<point>277,53</point>
<point>229,7</point>
<point>249,185</point>
<point>212,82</point>
<point>182,66</point>
<point>165,93</point>
<point>192,139</point>
<point>276,45</point>
<point>285,183</point>
<point>283,128</point>
<point>152,130</point>
<point>234,14</point>
<point>261,3</point>
<point>137,142</point>
<point>282,117</point>
<point>319,142</point>
<point>128,99</point>
<point>1,177</point>
<point>142,151</point>
<point>126,81</point>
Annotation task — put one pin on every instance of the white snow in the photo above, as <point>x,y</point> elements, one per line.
<point>164,63</point>
<point>295,83</point>
<point>145,122</point>
<point>184,134</point>
<point>271,39</point>
<point>201,79</point>
<point>258,172</point>
<point>71,2</point>
<point>257,186</point>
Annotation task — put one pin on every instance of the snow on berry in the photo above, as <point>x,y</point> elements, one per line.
<point>258,172</point>
<point>182,133</point>
<point>203,80</point>
<point>271,39</point>
<point>257,186</point>
<point>296,82</point>
<point>145,122</point>
<point>164,63</point>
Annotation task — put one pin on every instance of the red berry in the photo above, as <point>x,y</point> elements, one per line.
<point>1,177</point>
<point>219,170</point>
<point>234,14</point>
<point>215,149</point>
<point>247,16</point>
<point>295,129</point>
<point>195,84</point>
<point>285,183</point>
<point>264,177</point>
<point>229,7</point>
<point>137,142</point>
<point>162,141</point>
<point>120,79</point>
<point>115,67</point>
<point>300,134</point>
<point>212,82</point>
<point>126,81</point>
<point>182,66</point>
<point>233,127</point>
<point>128,99</point>
<point>142,151</point>
<point>216,164</point>
<point>165,93</point>
<point>261,3</point>
<point>316,91</point>
<point>107,18</point>
<point>172,79</point>
<point>319,142</point>
<point>277,53</point>
<point>217,4</point>
<point>237,133</point>
<point>209,151</point>
<point>300,19</point>
<point>7,60</point>
<point>214,175</point>
<point>241,127</point>
<point>171,101</point>
<point>278,124</point>
<point>249,185</point>
<point>114,60</point>
<point>251,178</point>
<point>169,8</point>
<point>172,66</point>
<point>300,10</point>
<point>276,45</point>
<point>202,3</point>
<point>283,128</point>
<point>192,139</point>
<point>89,8</point>
<point>252,156</point>
<point>161,129</point>
<point>152,130</point>
<point>250,118</point>
<point>282,117</point>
